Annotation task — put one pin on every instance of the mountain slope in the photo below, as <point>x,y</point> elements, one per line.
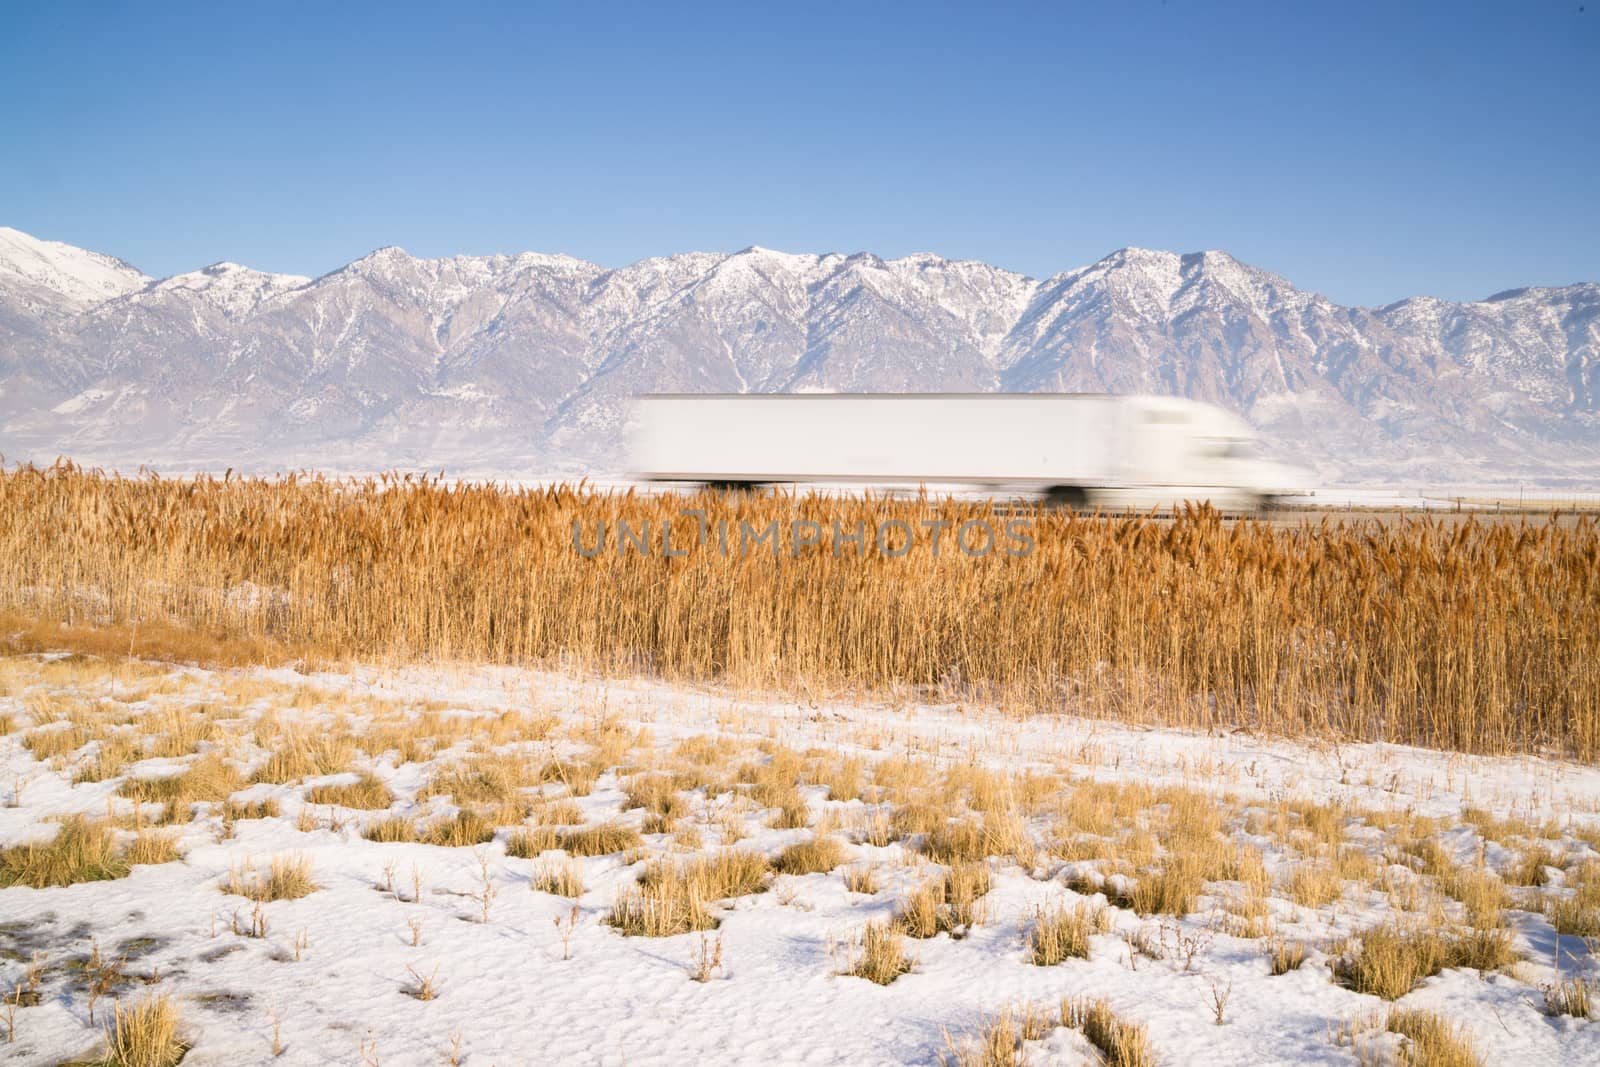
<point>524,364</point>
<point>60,276</point>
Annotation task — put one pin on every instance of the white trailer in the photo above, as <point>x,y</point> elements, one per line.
<point>1080,449</point>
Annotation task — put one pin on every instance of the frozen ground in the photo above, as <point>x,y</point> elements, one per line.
<point>334,969</point>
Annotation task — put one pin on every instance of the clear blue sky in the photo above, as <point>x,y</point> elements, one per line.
<point>1367,153</point>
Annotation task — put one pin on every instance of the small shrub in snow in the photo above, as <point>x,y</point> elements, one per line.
<point>861,879</point>
<point>1121,1043</point>
<point>151,847</point>
<point>81,851</point>
<point>145,1034</point>
<point>1285,956</point>
<point>602,840</point>
<point>998,1041</point>
<point>1570,996</point>
<point>950,905</point>
<point>467,829</point>
<point>367,793</point>
<point>287,877</point>
<point>530,844</point>
<point>562,877</point>
<point>1390,960</point>
<point>1061,932</point>
<point>393,830</point>
<point>819,854</point>
<point>878,955</point>
<point>661,909</point>
<point>1431,1041</point>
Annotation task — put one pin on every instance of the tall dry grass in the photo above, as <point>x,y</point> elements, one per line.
<point>1474,637</point>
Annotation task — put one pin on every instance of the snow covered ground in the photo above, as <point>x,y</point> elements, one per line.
<point>335,973</point>
<point>1448,497</point>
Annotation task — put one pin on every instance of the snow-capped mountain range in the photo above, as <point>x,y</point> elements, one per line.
<point>523,365</point>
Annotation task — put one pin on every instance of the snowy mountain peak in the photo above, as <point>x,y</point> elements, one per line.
<point>1132,256</point>
<point>771,259</point>
<point>380,259</point>
<point>75,276</point>
<point>1139,279</point>
<point>230,287</point>
<point>762,252</point>
<point>553,262</point>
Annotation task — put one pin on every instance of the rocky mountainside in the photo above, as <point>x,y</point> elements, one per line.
<point>523,365</point>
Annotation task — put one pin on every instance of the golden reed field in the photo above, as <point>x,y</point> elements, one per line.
<point>1477,637</point>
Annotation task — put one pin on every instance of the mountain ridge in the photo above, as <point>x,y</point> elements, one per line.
<point>524,363</point>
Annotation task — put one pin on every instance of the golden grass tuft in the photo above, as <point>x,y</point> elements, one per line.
<point>950,905</point>
<point>1579,914</point>
<point>145,1034</point>
<point>287,877</point>
<point>577,776</point>
<point>604,839</point>
<point>1284,956</point>
<point>81,851</point>
<point>1121,1043</point>
<point>1058,933</point>
<point>1571,917</point>
<point>815,856</point>
<point>110,758</point>
<point>462,830</point>
<point>562,877</point>
<point>655,793</point>
<point>792,814</point>
<point>305,757</point>
<point>395,829</point>
<point>729,872</point>
<point>181,732</point>
<point>1533,866</point>
<point>367,793</point>
<point>999,1041</point>
<point>558,813</point>
<point>1314,885</point>
<point>531,844</point>
<point>1482,950</point>
<point>1389,960</point>
<point>878,954</point>
<point>47,742</point>
<point>252,809</point>
<point>663,908</point>
<point>209,779</point>
<point>486,780</point>
<point>1432,1041</point>
<point>1570,996</point>
<point>861,878</point>
<point>152,847</point>
<point>1170,889</point>
<point>844,777</point>
<point>968,840</point>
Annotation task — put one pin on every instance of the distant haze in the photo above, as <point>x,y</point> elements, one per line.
<point>523,365</point>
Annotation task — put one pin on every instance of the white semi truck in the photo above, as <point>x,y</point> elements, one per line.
<point>1070,448</point>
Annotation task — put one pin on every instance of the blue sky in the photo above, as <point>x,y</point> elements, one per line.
<point>1367,153</point>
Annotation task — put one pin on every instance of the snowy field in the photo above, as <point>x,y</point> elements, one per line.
<point>409,952</point>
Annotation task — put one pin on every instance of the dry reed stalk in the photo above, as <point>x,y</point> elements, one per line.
<point>1475,637</point>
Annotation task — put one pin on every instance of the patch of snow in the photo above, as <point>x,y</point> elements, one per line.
<point>82,277</point>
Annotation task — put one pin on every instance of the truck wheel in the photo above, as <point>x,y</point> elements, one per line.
<point>733,488</point>
<point>1067,496</point>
